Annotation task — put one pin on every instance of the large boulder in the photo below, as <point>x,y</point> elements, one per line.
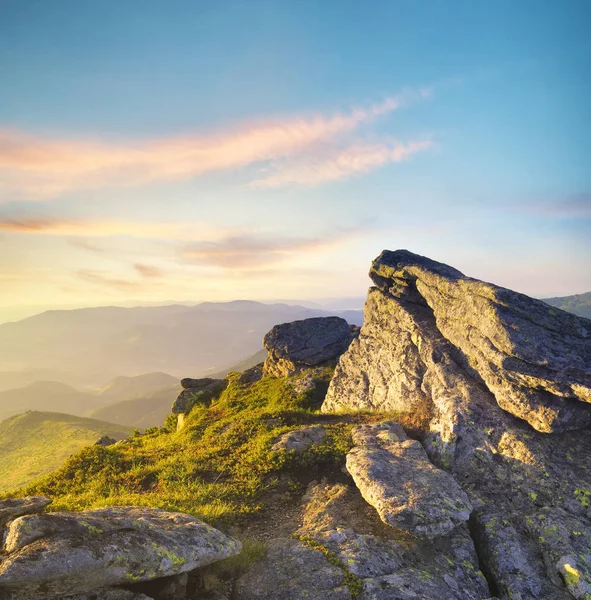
<point>59,554</point>
<point>12,508</point>
<point>291,570</point>
<point>534,359</point>
<point>306,343</point>
<point>197,391</point>
<point>430,343</point>
<point>395,476</point>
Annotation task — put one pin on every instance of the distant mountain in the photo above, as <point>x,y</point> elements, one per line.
<point>47,395</point>
<point>580,304</point>
<point>35,443</point>
<point>243,365</point>
<point>87,347</point>
<point>145,410</point>
<point>126,388</point>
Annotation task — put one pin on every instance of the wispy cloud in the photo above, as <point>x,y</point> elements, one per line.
<point>334,164</point>
<point>148,271</point>
<point>33,167</point>
<point>571,207</point>
<point>99,278</point>
<point>90,229</point>
<point>251,251</point>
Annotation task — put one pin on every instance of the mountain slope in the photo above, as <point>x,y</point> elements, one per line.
<point>47,395</point>
<point>35,443</point>
<point>147,410</point>
<point>94,345</point>
<point>124,388</point>
<point>580,304</point>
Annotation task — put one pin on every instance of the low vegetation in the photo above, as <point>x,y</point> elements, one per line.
<point>219,466</point>
<point>33,444</point>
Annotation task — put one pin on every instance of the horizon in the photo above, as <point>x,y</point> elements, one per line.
<point>151,151</point>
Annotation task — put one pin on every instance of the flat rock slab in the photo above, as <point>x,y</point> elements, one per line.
<point>15,507</point>
<point>59,554</point>
<point>300,440</point>
<point>290,570</point>
<point>107,594</point>
<point>395,476</point>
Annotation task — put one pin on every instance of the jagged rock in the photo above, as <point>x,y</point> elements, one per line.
<point>300,440</point>
<point>197,391</point>
<point>524,485</point>
<point>15,507</point>
<point>388,563</point>
<point>395,476</point>
<point>57,554</point>
<point>105,440</point>
<point>291,570</point>
<point>305,343</point>
<point>535,359</point>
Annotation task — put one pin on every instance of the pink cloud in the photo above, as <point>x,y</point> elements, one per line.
<point>340,164</point>
<point>33,167</point>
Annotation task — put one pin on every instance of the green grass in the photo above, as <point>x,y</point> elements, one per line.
<point>219,466</point>
<point>33,444</point>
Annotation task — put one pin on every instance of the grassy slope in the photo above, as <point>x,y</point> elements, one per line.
<point>579,304</point>
<point>219,467</point>
<point>33,444</point>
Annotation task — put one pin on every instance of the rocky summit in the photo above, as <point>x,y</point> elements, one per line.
<point>443,452</point>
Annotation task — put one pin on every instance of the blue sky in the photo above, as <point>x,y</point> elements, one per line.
<point>153,151</point>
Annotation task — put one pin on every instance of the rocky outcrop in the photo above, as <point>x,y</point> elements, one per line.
<point>15,507</point>
<point>105,441</point>
<point>196,391</point>
<point>296,346</point>
<point>465,358</point>
<point>299,440</point>
<point>395,476</point>
<point>292,570</point>
<point>52,555</point>
<point>534,359</point>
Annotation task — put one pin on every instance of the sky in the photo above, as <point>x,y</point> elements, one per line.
<point>183,151</point>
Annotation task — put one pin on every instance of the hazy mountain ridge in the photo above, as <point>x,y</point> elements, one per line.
<point>579,304</point>
<point>34,443</point>
<point>98,344</point>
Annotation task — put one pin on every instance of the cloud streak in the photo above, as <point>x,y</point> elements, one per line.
<point>340,164</point>
<point>33,167</point>
<point>90,229</point>
<point>251,251</point>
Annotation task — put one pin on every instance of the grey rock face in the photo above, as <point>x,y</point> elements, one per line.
<point>60,554</point>
<point>388,563</point>
<point>107,594</point>
<point>306,343</point>
<point>197,391</point>
<point>105,440</point>
<point>535,359</point>
<point>397,478</point>
<point>530,491</point>
<point>15,507</point>
<point>291,570</point>
<point>300,440</point>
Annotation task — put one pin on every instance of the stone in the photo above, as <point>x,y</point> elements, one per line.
<point>59,554</point>
<point>107,594</point>
<point>535,359</point>
<point>388,563</point>
<point>12,508</point>
<point>394,475</point>
<point>307,343</point>
<point>105,440</point>
<point>300,440</point>
<point>197,391</point>
<point>531,492</point>
<point>291,570</point>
